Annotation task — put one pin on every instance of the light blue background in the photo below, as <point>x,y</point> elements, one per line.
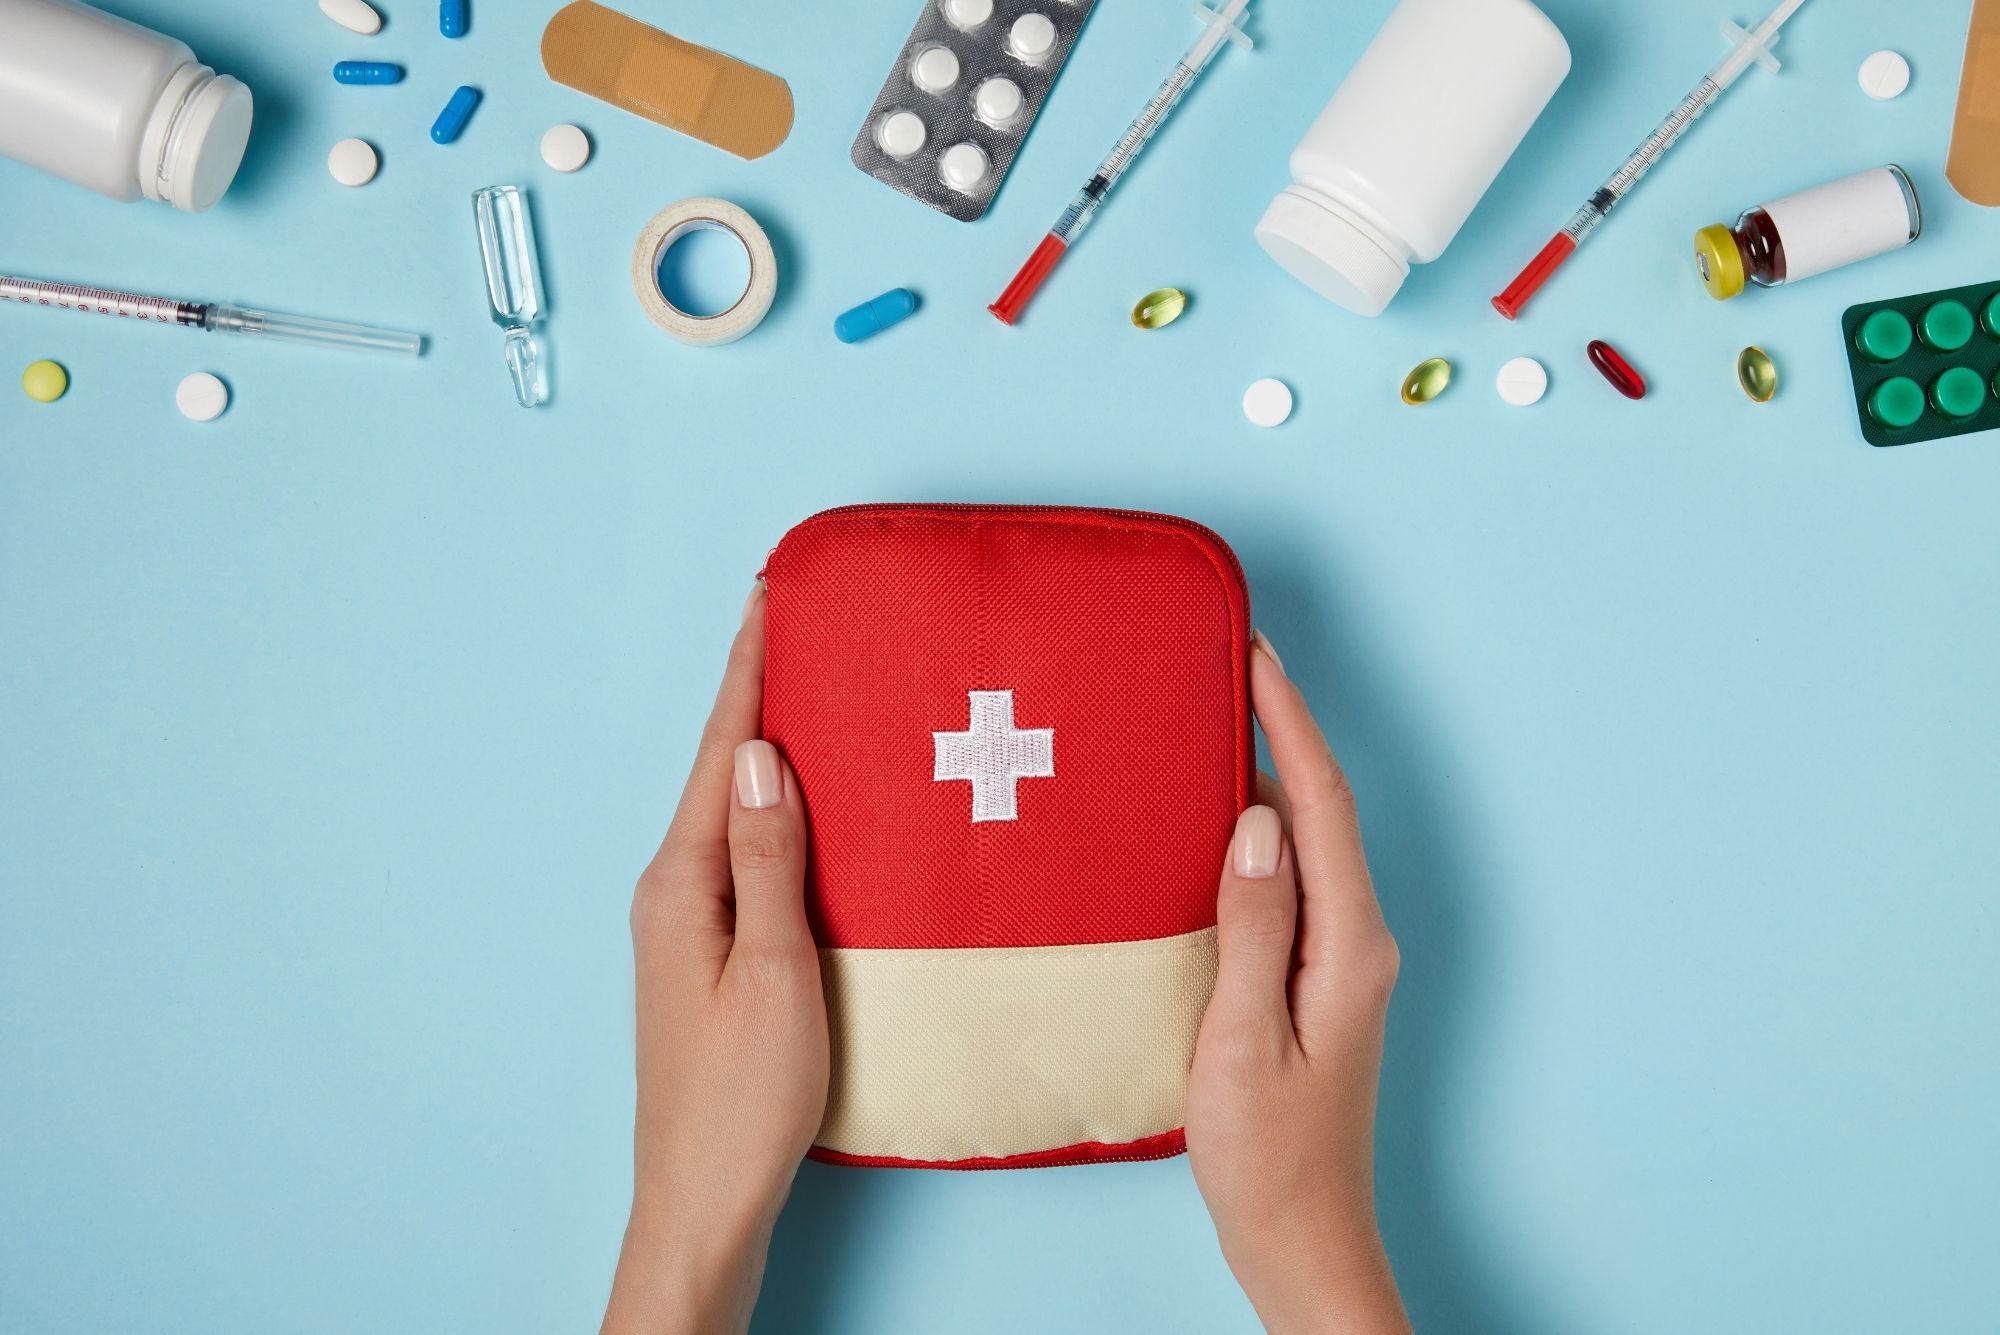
<point>335,732</point>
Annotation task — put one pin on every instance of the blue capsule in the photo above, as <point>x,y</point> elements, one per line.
<point>367,71</point>
<point>873,316</point>
<point>450,123</point>
<point>452,17</point>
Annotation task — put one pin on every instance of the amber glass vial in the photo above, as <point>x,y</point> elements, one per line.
<point>1854,218</point>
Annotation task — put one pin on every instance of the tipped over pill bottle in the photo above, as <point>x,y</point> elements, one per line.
<point>117,108</point>
<point>1414,135</point>
<point>1854,218</point>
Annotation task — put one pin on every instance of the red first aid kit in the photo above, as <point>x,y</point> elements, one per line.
<point>1023,738</point>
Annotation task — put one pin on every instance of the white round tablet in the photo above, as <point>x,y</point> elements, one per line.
<point>1032,37</point>
<point>1522,381</point>
<point>353,15</point>
<point>1267,402</point>
<point>963,167</point>
<point>201,397</point>
<point>997,101</point>
<point>967,14</point>
<point>1885,75</point>
<point>900,133</point>
<point>565,148</point>
<point>352,162</point>
<point>935,69</point>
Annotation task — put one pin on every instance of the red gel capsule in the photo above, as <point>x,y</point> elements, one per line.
<point>1617,370</point>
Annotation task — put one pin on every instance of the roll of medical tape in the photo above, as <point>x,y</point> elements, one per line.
<point>670,225</point>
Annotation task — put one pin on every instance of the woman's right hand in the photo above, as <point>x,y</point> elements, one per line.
<point>1281,1098</point>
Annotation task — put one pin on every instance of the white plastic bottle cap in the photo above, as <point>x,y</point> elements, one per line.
<point>997,101</point>
<point>1032,37</point>
<point>201,397</point>
<point>565,148</point>
<point>1267,402</point>
<point>1885,75</point>
<point>1522,381</point>
<point>900,133</point>
<point>963,167</point>
<point>1331,251</point>
<point>352,162</point>
<point>200,146</point>
<point>967,14</point>
<point>353,15</point>
<point>935,69</point>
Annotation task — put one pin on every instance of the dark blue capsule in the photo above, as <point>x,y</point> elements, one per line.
<point>450,123</point>
<point>367,71</point>
<point>452,17</point>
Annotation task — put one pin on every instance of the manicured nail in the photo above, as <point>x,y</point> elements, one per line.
<point>1257,639</point>
<point>1258,836</point>
<point>754,601</point>
<point>759,782</point>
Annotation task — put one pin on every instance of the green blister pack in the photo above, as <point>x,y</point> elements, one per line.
<point>1926,366</point>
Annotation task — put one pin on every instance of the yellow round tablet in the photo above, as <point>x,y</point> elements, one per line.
<point>44,381</point>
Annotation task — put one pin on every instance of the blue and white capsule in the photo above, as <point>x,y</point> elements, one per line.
<point>450,123</point>
<point>367,72</point>
<point>871,317</point>
<point>452,17</point>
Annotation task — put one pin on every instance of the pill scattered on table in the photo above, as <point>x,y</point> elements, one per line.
<point>1159,308</point>
<point>565,148</point>
<point>1885,75</point>
<point>450,122</point>
<point>353,15</point>
<point>1611,364</point>
<point>44,381</point>
<point>1427,381</point>
<point>1757,374</point>
<point>453,17</point>
<point>1522,382</point>
<point>871,317</point>
<point>352,162</point>
<point>367,72</point>
<point>1267,402</point>
<point>201,397</point>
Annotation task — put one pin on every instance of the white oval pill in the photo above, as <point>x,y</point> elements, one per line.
<point>565,148</point>
<point>1885,75</point>
<point>1032,37</point>
<point>201,397</point>
<point>352,162</point>
<point>1522,381</point>
<point>963,167</point>
<point>935,69</point>
<point>1267,402</point>
<point>997,101</point>
<point>900,133</point>
<point>353,15</point>
<point>967,14</point>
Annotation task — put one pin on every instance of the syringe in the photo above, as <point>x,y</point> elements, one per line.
<point>211,315</point>
<point>1220,23</point>
<point>1754,46</point>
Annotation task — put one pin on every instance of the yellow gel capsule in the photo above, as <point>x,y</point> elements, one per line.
<point>1427,381</point>
<point>44,381</point>
<point>1159,308</point>
<point>1757,373</point>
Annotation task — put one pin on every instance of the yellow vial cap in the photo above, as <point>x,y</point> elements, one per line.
<point>1720,262</point>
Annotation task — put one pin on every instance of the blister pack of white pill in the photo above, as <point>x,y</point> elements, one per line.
<point>964,90</point>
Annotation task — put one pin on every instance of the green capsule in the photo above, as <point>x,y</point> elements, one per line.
<point>1428,381</point>
<point>1159,308</point>
<point>1757,373</point>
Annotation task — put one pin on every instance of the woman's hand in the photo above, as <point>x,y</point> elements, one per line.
<point>1281,1100</point>
<point>732,1025</point>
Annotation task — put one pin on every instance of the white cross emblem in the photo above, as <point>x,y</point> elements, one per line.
<point>993,755</point>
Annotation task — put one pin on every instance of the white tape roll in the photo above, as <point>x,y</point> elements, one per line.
<point>670,225</point>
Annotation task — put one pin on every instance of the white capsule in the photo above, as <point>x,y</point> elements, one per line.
<point>963,167</point>
<point>353,15</point>
<point>352,162</point>
<point>1267,402</point>
<point>997,101</point>
<point>201,397</point>
<point>1522,381</point>
<point>565,148</point>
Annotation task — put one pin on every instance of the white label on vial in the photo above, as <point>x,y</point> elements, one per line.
<point>1841,222</point>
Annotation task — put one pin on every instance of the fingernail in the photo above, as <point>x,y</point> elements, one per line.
<point>754,601</point>
<point>759,782</point>
<point>1258,836</point>
<point>1257,639</point>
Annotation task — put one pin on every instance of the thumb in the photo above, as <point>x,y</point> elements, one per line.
<point>767,851</point>
<point>1256,917</point>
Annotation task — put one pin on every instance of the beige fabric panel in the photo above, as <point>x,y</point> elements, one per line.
<point>964,1054</point>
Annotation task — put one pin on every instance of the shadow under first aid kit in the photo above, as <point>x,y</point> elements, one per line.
<point>1023,737</point>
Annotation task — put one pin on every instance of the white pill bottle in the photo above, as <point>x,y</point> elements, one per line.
<point>1394,164</point>
<point>117,108</point>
